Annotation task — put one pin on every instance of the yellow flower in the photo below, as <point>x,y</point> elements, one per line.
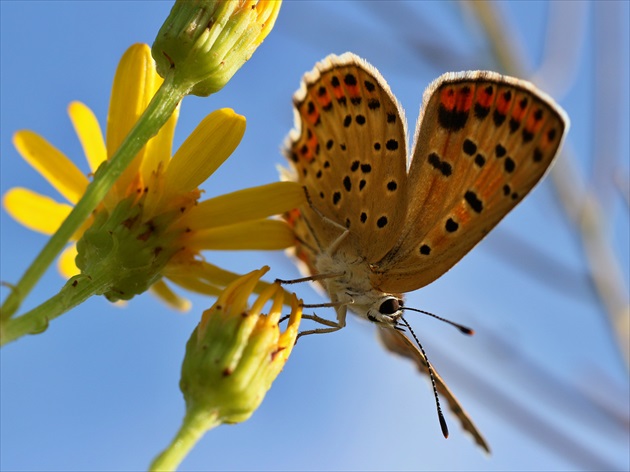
<point>235,353</point>
<point>151,226</point>
<point>204,42</point>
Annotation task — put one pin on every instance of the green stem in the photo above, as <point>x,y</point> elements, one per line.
<point>196,422</point>
<point>154,117</point>
<point>78,289</point>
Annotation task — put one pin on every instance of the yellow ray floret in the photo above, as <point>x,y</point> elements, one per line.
<point>52,164</point>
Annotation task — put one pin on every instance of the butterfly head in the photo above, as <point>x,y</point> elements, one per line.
<point>386,310</point>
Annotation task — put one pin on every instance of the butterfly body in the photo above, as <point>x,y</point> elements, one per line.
<point>380,223</point>
<point>353,289</point>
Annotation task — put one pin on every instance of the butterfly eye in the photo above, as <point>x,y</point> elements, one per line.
<point>390,306</point>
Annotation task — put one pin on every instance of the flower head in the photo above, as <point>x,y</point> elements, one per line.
<point>151,226</point>
<point>235,353</point>
<point>204,42</point>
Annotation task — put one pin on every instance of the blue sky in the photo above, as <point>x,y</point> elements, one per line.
<point>542,377</point>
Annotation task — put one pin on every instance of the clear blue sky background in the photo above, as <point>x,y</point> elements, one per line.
<point>542,377</point>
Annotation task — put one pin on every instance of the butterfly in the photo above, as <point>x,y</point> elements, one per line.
<point>378,224</point>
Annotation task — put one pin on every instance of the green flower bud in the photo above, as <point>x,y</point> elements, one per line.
<point>204,42</point>
<point>235,354</point>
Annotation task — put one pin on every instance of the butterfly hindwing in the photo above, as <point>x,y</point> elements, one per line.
<point>398,343</point>
<point>349,149</point>
<point>482,143</point>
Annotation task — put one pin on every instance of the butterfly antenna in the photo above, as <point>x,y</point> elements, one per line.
<point>460,327</point>
<point>432,377</point>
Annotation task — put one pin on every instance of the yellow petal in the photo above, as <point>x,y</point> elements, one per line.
<point>38,212</point>
<point>267,11</point>
<point>164,293</point>
<point>52,164</point>
<point>89,132</point>
<point>35,211</point>
<point>135,84</point>
<point>66,264</point>
<point>252,235</point>
<point>246,205</point>
<point>209,145</point>
<point>201,270</point>
<point>203,277</point>
<point>196,285</point>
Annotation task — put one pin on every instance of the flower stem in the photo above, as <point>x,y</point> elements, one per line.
<point>78,289</point>
<point>196,423</point>
<point>154,117</point>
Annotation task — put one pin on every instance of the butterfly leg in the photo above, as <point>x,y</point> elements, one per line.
<point>310,278</point>
<point>332,325</point>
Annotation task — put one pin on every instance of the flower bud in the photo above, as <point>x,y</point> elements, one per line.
<point>235,354</point>
<point>204,42</point>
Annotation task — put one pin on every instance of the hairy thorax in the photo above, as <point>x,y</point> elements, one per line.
<point>352,287</point>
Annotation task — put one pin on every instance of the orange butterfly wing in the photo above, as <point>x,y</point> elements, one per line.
<point>482,142</point>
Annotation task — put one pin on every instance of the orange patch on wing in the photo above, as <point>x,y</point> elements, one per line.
<point>323,99</point>
<point>447,98</point>
<point>353,91</point>
<point>337,90</point>
<point>534,121</point>
<point>292,216</point>
<point>462,214</point>
<point>504,100</point>
<point>464,98</point>
<point>519,110</point>
<point>485,96</point>
<point>550,136</point>
<point>312,144</point>
<point>310,111</point>
<point>305,150</point>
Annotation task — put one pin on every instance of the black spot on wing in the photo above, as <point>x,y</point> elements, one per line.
<point>451,225</point>
<point>452,120</point>
<point>391,145</point>
<point>438,164</point>
<point>347,183</point>
<point>374,104</point>
<point>500,150</point>
<point>474,202</point>
<point>350,80</point>
<point>469,147</point>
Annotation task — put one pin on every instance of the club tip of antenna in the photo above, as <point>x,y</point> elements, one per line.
<point>466,330</point>
<point>443,426</point>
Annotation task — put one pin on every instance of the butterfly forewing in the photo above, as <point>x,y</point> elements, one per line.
<point>349,149</point>
<point>482,143</point>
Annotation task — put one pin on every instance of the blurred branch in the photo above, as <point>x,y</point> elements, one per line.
<point>563,48</point>
<point>544,267</point>
<point>419,32</point>
<point>623,186</point>
<point>562,397</point>
<point>607,71</point>
<point>583,208</point>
